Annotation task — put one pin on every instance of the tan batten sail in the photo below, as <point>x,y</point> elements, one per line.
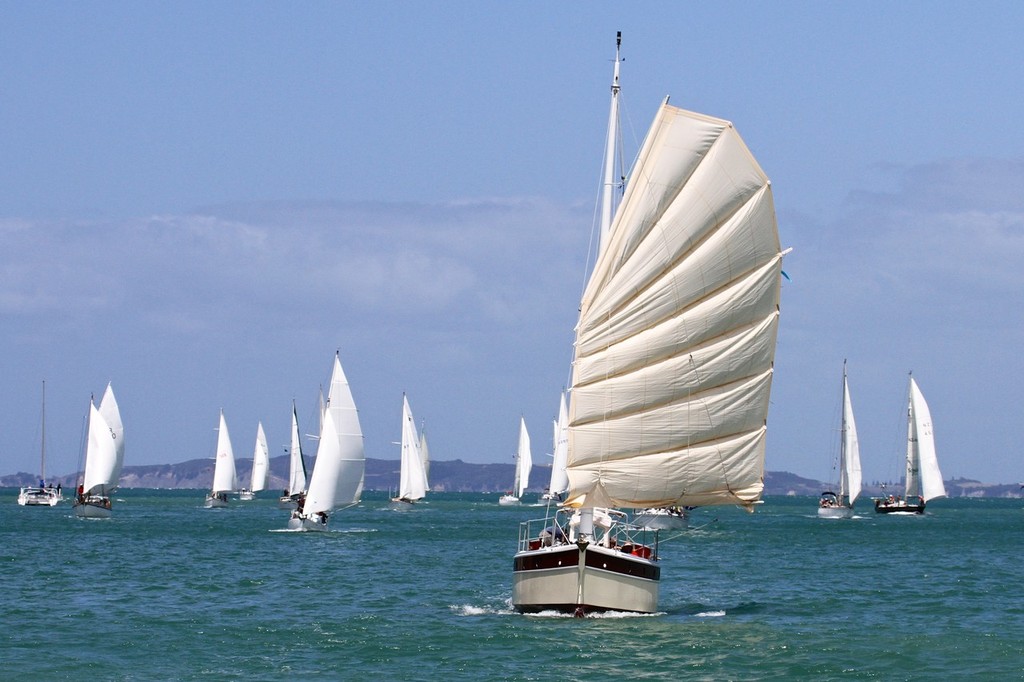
<point>677,328</point>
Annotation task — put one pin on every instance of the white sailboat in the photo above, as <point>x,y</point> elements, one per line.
<point>224,478</point>
<point>923,477</point>
<point>524,463</point>
<point>673,364</point>
<point>44,495</point>
<point>839,505</point>
<point>296,467</point>
<point>104,457</point>
<point>559,481</point>
<point>260,466</point>
<point>337,478</point>
<point>412,482</point>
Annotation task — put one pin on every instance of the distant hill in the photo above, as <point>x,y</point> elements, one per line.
<point>451,476</point>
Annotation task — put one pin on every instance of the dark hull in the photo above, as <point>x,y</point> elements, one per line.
<point>883,507</point>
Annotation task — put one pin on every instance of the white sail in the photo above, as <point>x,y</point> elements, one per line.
<point>413,481</point>
<point>923,476</point>
<point>101,469</point>
<point>260,461</point>
<point>342,408</point>
<point>296,464</point>
<point>559,479</point>
<point>425,457</point>
<point>112,415</point>
<point>677,328</point>
<point>524,460</point>
<point>849,467</point>
<point>224,478</point>
<point>327,487</point>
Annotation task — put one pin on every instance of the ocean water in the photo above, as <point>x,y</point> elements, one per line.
<point>168,590</point>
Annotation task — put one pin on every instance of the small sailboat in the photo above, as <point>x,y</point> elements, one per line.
<point>839,505</point>
<point>44,495</point>
<point>296,468</point>
<point>559,481</point>
<point>104,457</point>
<point>923,477</point>
<point>339,469</point>
<point>260,466</point>
<point>412,483</point>
<point>225,480</point>
<point>524,463</point>
<point>672,371</point>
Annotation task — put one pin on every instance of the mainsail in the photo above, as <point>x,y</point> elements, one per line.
<point>101,466</point>
<point>524,460</point>
<point>676,335</point>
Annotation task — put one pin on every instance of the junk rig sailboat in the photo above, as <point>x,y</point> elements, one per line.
<point>673,364</point>
<point>923,477</point>
<point>839,505</point>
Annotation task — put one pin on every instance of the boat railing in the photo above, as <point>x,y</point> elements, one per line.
<point>619,534</point>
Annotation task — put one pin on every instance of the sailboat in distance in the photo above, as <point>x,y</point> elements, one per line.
<point>104,457</point>
<point>224,478</point>
<point>44,495</point>
<point>524,464</point>
<point>559,481</point>
<point>672,373</point>
<point>923,477</point>
<point>839,505</point>
<point>412,481</point>
<point>296,467</point>
<point>337,478</point>
<point>260,466</point>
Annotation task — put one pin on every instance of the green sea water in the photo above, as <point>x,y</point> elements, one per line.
<point>167,590</point>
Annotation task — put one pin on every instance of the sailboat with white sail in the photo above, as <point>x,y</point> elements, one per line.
<point>559,481</point>
<point>923,477</point>
<point>839,504</point>
<point>43,495</point>
<point>260,466</point>
<point>104,457</point>
<point>339,469</point>
<point>672,372</point>
<point>296,467</point>
<point>412,481</point>
<point>524,464</point>
<point>225,480</point>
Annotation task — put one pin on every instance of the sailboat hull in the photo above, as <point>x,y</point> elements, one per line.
<point>246,495</point>
<point>39,497</point>
<point>584,578</point>
<point>662,519</point>
<point>93,508</point>
<point>304,523</point>
<point>900,507</point>
<point>216,501</point>
<point>835,512</point>
<point>508,499</point>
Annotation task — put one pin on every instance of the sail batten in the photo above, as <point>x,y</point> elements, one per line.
<point>676,336</point>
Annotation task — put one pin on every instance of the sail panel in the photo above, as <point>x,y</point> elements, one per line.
<point>691,251</point>
<point>719,413</point>
<point>719,316</point>
<point>729,471</point>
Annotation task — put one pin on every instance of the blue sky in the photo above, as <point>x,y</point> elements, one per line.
<point>200,202</point>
